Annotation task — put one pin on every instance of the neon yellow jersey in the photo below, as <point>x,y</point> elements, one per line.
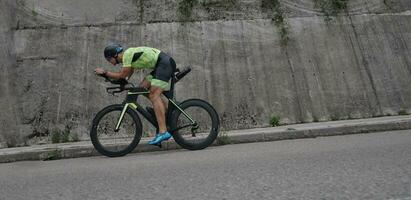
<point>140,57</point>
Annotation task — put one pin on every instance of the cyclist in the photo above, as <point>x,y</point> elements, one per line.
<point>136,58</point>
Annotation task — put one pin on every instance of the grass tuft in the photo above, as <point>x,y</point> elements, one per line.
<point>223,138</point>
<point>402,112</point>
<point>275,121</point>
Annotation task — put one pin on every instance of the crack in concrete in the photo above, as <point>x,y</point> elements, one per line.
<point>44,58</point>
<point>366,65</point>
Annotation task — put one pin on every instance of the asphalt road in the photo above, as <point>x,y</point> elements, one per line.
<point>365,166</point>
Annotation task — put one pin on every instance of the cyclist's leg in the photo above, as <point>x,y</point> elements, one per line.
<point>159,109</point>
<point>162,74</point>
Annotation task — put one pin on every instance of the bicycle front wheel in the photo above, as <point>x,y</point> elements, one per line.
<point>196,126</point>
<point>113,143</point>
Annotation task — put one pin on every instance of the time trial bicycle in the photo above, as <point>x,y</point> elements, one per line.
<point>117,129</point>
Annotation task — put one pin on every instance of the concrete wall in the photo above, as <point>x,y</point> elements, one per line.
<point>354,66</point>
<point>9,134</point>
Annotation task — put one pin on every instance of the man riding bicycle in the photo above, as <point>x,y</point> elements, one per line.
<point>136,58</point>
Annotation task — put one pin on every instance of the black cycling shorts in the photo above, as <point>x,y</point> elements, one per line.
<point>162,72</point>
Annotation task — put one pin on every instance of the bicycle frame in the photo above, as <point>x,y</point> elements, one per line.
<point>131,101</point>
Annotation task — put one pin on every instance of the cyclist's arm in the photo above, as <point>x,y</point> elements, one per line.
<point>122,74</point>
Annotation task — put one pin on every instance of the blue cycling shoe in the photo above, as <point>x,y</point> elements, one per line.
<point>160,137</point>
<point>154,138</point>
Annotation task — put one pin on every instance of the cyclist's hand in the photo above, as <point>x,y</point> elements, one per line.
<point>99,71</point>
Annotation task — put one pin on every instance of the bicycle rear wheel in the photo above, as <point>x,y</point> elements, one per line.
<point>199,135</point>
<point>113,143</point>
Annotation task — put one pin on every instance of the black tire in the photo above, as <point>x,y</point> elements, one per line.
<point>103,127</point>
<point>205,116</point>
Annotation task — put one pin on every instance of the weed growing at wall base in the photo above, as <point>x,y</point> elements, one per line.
<point>55,137</point>
<point>223,138</point>
<point>53,155</point>
<point>64,136</point>
<point>275,121</point>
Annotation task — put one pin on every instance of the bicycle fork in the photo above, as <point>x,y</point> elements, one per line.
<point>120,119</point>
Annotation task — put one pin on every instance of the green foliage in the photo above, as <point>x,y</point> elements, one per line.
<point>282,29</point>
<point>218,3</point>
<point>278,19</point>
<point>402,112</point>
<point>275,121</point>
<point>64,136</point>
<point>351,117</point>
<point>223,138</point>
<point>11,144</point>
<point>334,118</point>
<point>331,7</point>
<point>55,137</point>
<point>389,4</point>
<point>53,155</point>
<point>75,138</point>
<point>185,9</point>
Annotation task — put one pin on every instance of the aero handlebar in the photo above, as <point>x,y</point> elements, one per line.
<point>178,75</point>
<point>118,89</point>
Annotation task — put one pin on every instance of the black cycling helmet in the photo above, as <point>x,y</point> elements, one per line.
<point>112,50</point>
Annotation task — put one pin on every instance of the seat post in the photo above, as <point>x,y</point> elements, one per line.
<point>170,94</point>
